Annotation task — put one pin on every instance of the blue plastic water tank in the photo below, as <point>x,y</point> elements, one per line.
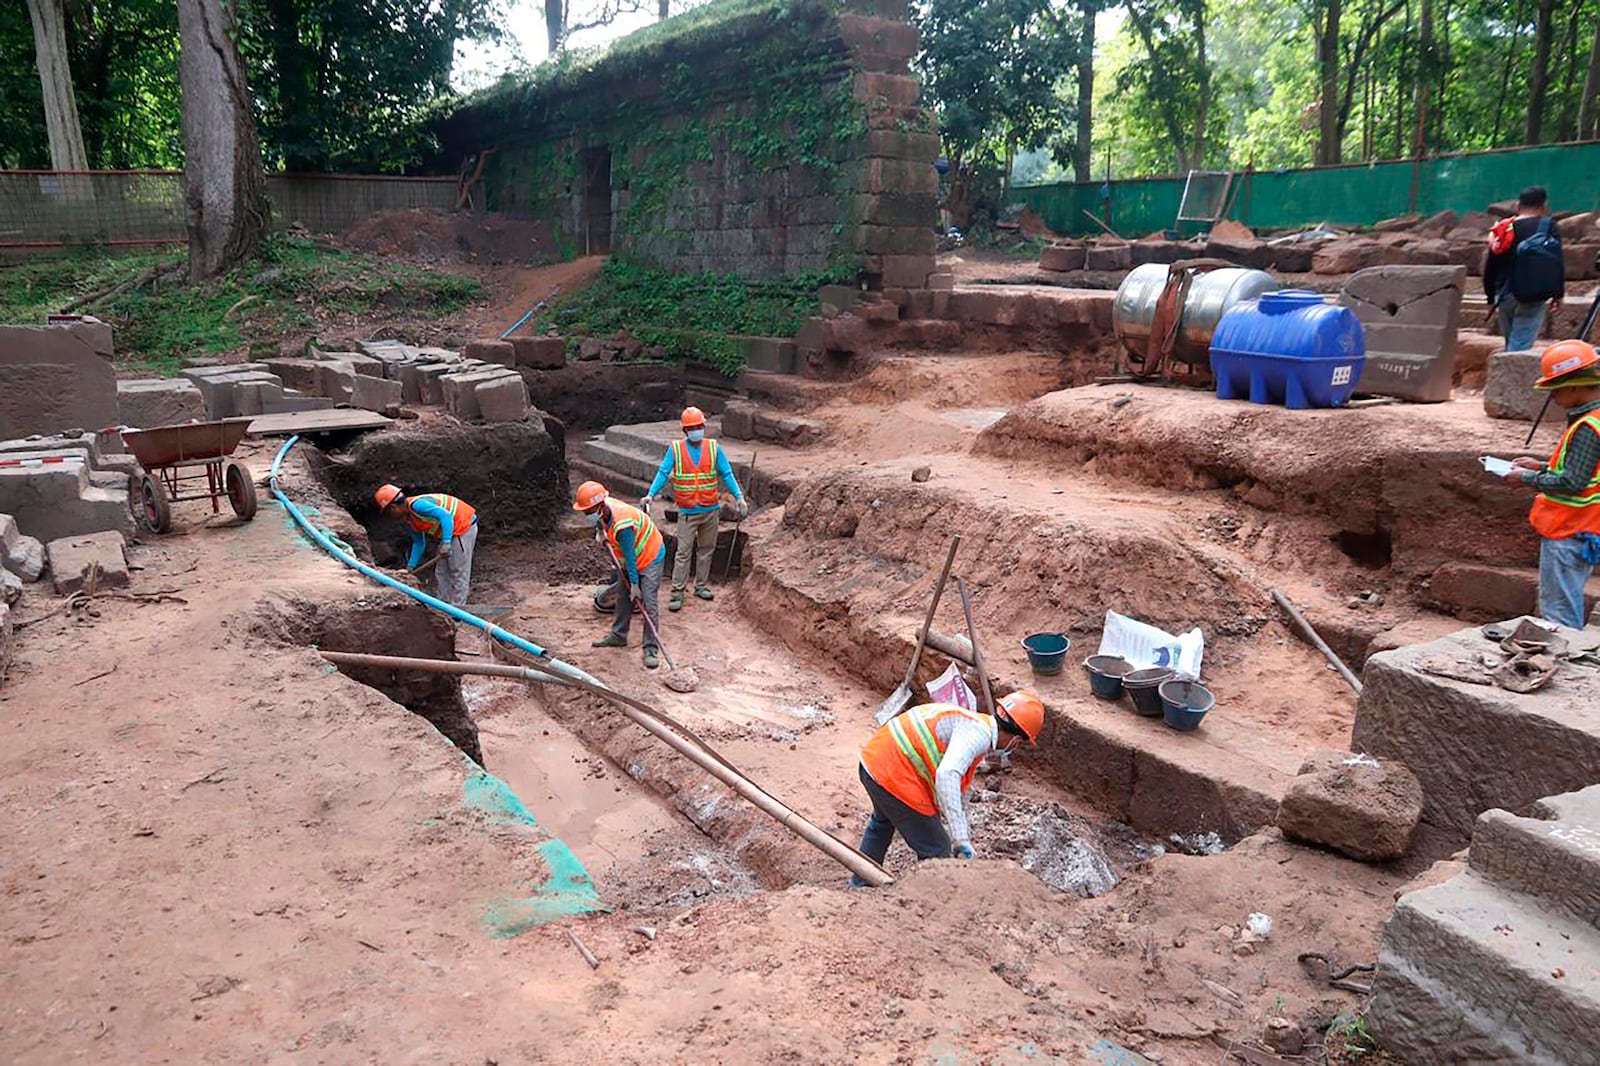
<point>1288,347</point>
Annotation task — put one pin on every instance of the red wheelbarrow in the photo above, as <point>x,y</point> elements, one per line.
<point>173,457</point>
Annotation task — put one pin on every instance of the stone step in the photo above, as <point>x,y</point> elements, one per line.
<point>617,483</point>
<point>627,461</point>
<point>1488,974</point>
<point>1553,856</point>
<point>61,500</point>
<point>654,437</point>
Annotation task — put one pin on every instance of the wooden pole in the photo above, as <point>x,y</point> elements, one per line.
<point>657,725</point>
<point>977,656</point>
<point>1321,645</point>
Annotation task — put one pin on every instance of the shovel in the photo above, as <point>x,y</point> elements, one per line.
<point>900,698</point>
<point>677,680</point>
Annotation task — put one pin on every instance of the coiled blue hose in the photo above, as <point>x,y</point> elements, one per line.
<point>326,542</point>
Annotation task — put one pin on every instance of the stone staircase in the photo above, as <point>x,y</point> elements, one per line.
<point>1502,962</point>
<point>625,459</point>
<point>64,486</point>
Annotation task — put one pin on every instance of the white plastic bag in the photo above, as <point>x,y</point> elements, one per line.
<point>1146,646</point>
<point>951,687</point>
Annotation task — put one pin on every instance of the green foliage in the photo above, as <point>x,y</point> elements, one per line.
<point>163,319</point>
<point>994,70</point>
<point>687,314</point>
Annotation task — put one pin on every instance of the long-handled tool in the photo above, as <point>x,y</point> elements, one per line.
<point>685,680</point>
<point>900,698</point>
<point>733,545</point>
<point>977,656</point>
<point>1583,335</point>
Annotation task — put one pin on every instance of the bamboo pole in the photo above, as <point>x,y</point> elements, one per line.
<point>656,724</point>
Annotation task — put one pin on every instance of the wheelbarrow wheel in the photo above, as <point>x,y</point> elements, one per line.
<point>241,490</point>
<point>155,512</point>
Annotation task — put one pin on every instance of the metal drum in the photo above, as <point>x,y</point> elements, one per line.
<point>1210,295</point>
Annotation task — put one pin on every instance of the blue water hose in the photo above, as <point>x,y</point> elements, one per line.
<point>326,542</point>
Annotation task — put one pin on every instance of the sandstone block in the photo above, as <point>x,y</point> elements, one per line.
<point>942,281</point>
<point>374,394</point>
<point>908,271</point>
<point>296,373</point>
<point>540,353</point>
<point>1437,225</point>
<point>336,381</point>
<point>1409,315</point>
<point>147,402</point>
<point>360,362</point>
<point>20,553</point>
<point>1580,260</point>
<point>1475,746</point>
<point>503,399</point>
<point>5,641</point>
<point>738,420</point>
<point>430,378</point>
<point>501,352</point>
<point>1294,258</point>
<point>1345,256</point>
<point>1508,390</point>
<point>1108,257</point>
<point>55,377</point>
<point>1161,250</point>
<point>1473,350</point>
<point>10,588</point>
<point>1247,252</point>
<point>1355,804</point>
<point>1062,257</point>
<point>460,391</point>
<point>70,559</point>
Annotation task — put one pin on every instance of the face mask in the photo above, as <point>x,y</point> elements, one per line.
<point>593,517</point>
<point>696,436</point>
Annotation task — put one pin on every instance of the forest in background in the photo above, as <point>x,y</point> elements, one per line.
<point>1037,89</point>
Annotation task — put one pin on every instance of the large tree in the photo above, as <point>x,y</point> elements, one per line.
<point>1539,73</point>
<point>994,70</point>
<point>1177,79</point>
<point>49,19</point>
<point>225,190</point>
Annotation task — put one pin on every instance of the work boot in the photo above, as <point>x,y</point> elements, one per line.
<point>675,602</point>
<point>611,640</point>
<point>650,660</point>
<point>704,592</point>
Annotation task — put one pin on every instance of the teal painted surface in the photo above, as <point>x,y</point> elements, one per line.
<point>1349,196</point>
<point>567,888</point>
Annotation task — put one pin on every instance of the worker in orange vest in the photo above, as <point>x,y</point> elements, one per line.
<point>919,766</point>
<point>1566,513</point>
<point>639,554</point>
<point>451,522</point>
<point>694,466</point>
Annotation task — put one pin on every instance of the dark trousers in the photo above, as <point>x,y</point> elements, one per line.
<point>923,833</point>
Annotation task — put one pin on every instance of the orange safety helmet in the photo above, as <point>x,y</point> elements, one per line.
<point>591,494</point>
<point>386,495</point>
<point>692,417</point>
<point>1023,710</point>
<point>1566,359</point>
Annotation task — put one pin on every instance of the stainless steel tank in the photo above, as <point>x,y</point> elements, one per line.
<point>1211,294</point>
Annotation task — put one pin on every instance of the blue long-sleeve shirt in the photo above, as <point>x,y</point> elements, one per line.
<point>419,539</point>
<point>724,473</point>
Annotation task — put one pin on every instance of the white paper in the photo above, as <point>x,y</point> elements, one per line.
<point>1145,646</point>
<point>950,687</point>
<point>1497,467</point>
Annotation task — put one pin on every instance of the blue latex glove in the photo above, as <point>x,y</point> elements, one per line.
<point>963,850</point>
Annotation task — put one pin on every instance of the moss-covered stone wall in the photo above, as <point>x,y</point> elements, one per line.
<point>763,138</point>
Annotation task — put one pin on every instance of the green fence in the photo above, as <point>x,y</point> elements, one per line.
<point>1358,194</point>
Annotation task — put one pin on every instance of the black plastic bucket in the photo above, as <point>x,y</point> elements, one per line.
<point>1047,651</point>
<point>1185,703</point>
<point>1143,686</point>
<point>1105,675</point>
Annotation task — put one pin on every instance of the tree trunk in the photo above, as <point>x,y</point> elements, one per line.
<point>295,67</point>
<point>1505,75</point>
<point>1202,70</point>
<point>1588,126</point>
<point>1328,148</point>
<point>1539,74</point>
<point>55,78</point>
<point>1426,66</point>
<point>662,11</point>
<point>224,188</point>
<point>1082,160</point>
<point>555,23</point>
<point>1568,120</point>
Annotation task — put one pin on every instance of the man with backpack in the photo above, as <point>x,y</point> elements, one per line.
<point>1523,272</point>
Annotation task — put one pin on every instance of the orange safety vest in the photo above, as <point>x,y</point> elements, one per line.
<point>647,543</point>
<point>1558,517</point>
<point>904,755</point>
<point>695,484</point>
<point>460,510</point>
